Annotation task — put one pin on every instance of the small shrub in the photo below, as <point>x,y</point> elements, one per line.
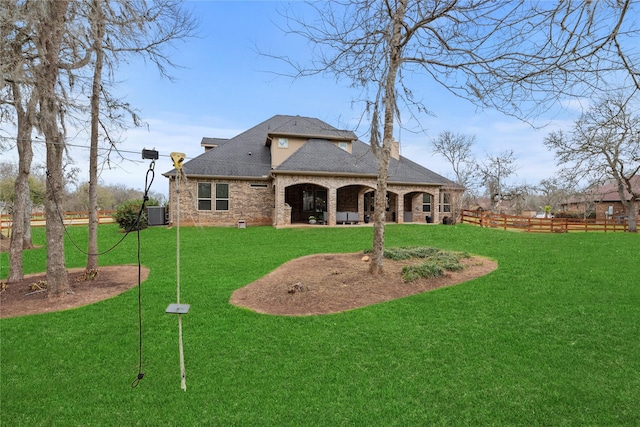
<point>126,215</point>
<point>409,252</point>
<point>567,214</point>
<point>426,269</point>
<point>450,261</point>
<point>436,261</point>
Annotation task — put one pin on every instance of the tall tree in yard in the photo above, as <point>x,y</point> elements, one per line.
<point>119,30</point>
<point>18,100</point>
<point>49,32</point>
<point>97,26</point>
<point>517,57</point>
<point>604,145</point>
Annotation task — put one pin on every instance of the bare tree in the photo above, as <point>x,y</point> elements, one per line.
<point>456,148</point>
<point>515,56</point>
<point>118,30</point>
<point>495,170</point>
<point>604,144</point>
<point>80,33</point>
<point>554,191</point>
<point>49,29</point>
<point>19,96</point>
<point>97,26</point>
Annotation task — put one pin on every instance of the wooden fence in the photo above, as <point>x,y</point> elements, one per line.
<point>541,225</point>
<point>70,218</point>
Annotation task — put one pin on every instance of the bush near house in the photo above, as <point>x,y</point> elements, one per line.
<point>573,215</point>
<point>126,215</point>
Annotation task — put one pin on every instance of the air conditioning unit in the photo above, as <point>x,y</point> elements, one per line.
<point>156,215</point>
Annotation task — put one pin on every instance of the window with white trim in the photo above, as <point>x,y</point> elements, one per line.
<point>204,196</point>
<point>445,202</point>
<point>222,197</point>
<point>427,202</point>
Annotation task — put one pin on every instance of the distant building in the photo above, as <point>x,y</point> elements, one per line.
<point>605,201</point>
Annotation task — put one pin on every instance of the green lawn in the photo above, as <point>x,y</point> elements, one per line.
<point>550,338</point>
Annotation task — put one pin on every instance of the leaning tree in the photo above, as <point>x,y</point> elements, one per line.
<point>518,57</point>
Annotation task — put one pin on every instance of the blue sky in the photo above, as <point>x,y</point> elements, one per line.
<point>226,86</point>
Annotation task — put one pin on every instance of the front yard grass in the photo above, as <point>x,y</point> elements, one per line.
<point>550,338</point>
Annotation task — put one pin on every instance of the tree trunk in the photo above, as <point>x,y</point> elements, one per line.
<point>98,34</point>
<point>384,154</point>
<point>50,31</point>
<point>629,205</point>
<point>632,218</point>
<point>22,193</point>
<point>57,280</point>
<point>379,213</point>
<point>27,242</point>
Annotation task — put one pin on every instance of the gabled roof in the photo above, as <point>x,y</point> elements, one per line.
<point>310,127</point>
<point>247,155</point>
<point>244,155</point>
<point>321,155</point>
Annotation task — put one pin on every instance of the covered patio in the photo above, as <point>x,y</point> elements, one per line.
<point>342,201</point>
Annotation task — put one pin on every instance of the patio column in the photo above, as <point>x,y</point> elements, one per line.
<point>400,213</point>
<point>279,212</point>
<point>436,206</point>
<point>332,196</point>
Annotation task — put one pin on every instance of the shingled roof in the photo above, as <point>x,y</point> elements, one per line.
<point>609,191</point>
<point>248,155</point>
<point>310,127</point>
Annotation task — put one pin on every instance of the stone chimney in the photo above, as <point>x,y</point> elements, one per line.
<point>395,150</point>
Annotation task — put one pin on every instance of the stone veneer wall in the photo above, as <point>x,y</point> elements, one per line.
<point>265,206</point>
<point>345,185</point>
<point>254,205</point>
<point>347,198</point>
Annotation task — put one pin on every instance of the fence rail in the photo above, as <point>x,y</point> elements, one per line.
<point>541,225</point>
<point>70,218</point>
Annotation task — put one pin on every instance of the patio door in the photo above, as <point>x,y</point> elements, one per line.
<point>369,202</point>
<point>314,202</point>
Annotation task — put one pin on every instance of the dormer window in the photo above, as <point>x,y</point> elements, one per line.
<point>343,145</point>
<point>283,143</point>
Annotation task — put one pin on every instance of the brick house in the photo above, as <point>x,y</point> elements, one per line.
<point>289,168</point>
<point>605,201</point>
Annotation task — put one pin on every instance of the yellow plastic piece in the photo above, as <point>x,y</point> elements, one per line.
<point>178,158</point>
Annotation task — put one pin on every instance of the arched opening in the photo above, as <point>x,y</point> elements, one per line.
<point>306,200</point>
<point>391,205</point>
